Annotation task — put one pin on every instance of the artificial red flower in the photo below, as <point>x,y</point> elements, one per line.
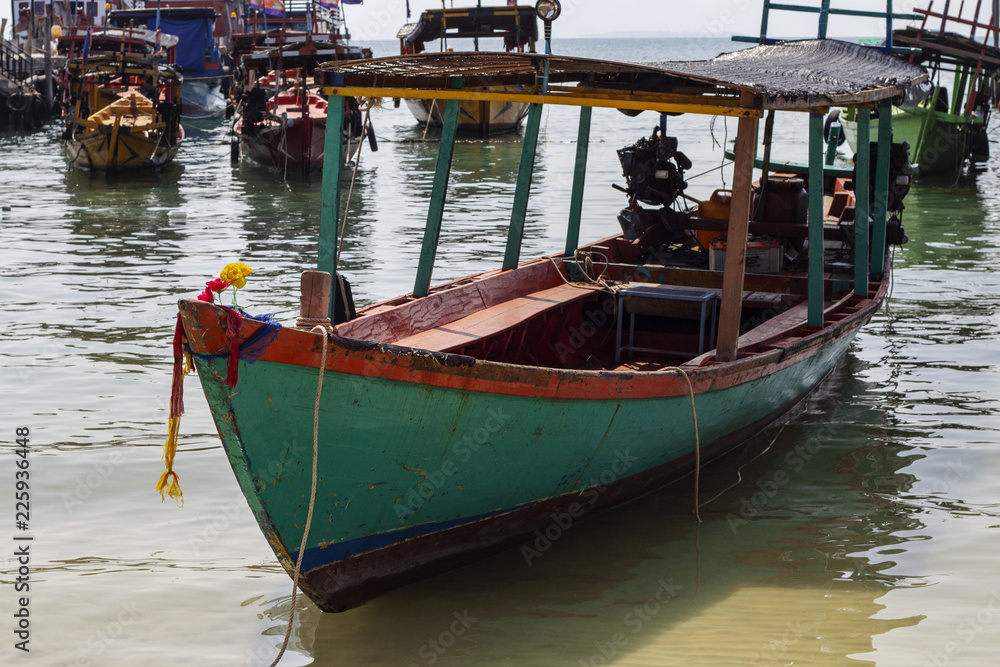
<point>207,295</point>
<point>217,285</point>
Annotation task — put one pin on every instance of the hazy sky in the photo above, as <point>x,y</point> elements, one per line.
<point>380,19</point>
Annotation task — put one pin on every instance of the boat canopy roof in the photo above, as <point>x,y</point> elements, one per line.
<point>809,75</point>
<point>515,24</point>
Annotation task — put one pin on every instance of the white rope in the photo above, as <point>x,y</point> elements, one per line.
<point>354,178</point>
<point>430,117</point>
<point>697,442</point>
<point>312,497</point>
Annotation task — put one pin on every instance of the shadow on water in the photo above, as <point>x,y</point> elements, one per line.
<point>795,549</point>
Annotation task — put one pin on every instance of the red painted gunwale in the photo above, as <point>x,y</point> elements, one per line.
<point>771,351</point>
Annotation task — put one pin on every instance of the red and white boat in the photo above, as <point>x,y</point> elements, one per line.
<point>280,115</point>
<point>289,129</point>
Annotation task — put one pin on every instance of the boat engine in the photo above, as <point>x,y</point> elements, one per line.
<point>900,179</point>
<point>255,106</point>
<point>653,170</point>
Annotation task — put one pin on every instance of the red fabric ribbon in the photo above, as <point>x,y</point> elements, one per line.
<point>233,322</point>
<point>177,384</point>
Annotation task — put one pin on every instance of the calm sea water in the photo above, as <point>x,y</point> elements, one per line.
<point>866,532</point>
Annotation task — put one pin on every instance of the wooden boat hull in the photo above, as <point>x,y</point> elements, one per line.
<point>430,460</point>
<point>482,118</point>
<point>290,136</point>
<point>273,143</point>
<point>95,150</point>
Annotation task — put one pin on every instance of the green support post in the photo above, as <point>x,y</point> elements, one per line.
<point>861,204</point>
<point>763,21</point>
<point>330,207</point>
<point>579,176</point>
<point>815,314</point>
<point>434,214</point>
<point>520,211</point>
<point>879,212</point>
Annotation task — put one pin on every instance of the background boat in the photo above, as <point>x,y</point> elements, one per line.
<point>279,119</point>
<point>204,30</point>
<point>515,25</point>
<point>123,113</point>
<point>946,132</point>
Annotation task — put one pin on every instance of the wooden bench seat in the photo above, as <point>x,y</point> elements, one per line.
<point>495,320</point>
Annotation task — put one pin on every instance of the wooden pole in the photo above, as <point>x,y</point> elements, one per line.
<point>329,212</point>
<point>515,232</point>
<point>579,176</point>
<point>436,211</point>
<point>861,204</point>
<point>314,299</point>
<point>736,238</point>
<point>815,291</point>
<point>881,187</point>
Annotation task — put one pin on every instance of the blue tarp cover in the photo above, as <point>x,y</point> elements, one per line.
<point>193,36</point>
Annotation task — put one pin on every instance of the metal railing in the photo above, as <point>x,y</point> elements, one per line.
<point>825,11</point>
<point>15,63</point>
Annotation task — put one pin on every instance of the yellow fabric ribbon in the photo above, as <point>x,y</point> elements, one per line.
<point>169,483</point>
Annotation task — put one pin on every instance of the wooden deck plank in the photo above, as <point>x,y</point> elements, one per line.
<point>496,319</point>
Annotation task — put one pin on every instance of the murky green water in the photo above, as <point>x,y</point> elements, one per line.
<point>863,531</point>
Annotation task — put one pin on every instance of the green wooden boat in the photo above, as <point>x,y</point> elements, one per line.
<point>501,409</point>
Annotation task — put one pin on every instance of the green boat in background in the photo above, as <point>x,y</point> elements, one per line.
<point>424,432</point>
<point>945,132</point>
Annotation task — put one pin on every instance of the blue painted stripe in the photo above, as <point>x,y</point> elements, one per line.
<point>319,556</point>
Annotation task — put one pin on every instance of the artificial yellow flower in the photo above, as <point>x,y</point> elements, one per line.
<point>236,274</point>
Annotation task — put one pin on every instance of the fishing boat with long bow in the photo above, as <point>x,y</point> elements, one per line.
<point>468,417</point>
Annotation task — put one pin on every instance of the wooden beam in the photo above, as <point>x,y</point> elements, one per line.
<point>861,204</point>
<point>736,242</point>
<point>515,233</point>
<point>432,231</point>
<point>815,317</point>
<point>624,99</point>
<point>960,54</point>
<point>579,177</point>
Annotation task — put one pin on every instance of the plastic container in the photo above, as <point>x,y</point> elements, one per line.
<point>717,208</point>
